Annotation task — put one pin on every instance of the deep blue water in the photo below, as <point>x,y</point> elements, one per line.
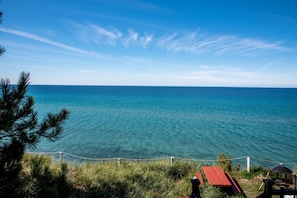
<point>188,122</point>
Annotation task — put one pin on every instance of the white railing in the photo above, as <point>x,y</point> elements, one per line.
<point>246,159</point>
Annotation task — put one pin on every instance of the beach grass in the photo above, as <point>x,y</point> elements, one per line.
<point>145,179</point>
<point>150,179</point>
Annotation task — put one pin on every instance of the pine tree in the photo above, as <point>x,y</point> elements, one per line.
<point>20,129</point>
<point>2,49</point>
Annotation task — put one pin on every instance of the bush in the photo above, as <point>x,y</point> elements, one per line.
<point>225,161</point>
<point>41,181</point>
<point>178,170</point>
<point>254,171</point>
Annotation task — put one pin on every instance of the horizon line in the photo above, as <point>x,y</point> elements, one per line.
<point>172,86</point>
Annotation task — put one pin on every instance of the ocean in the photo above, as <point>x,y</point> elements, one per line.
<point>185,122</point>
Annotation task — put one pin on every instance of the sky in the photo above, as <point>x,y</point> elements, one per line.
<point>233,43</point>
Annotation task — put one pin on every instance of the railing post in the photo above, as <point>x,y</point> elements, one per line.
<point>248,163</point>
<point>119,161</point>
<point>295,181</point>
<point>171,160</point>
<point>268,188</point>
<point>61,157</point>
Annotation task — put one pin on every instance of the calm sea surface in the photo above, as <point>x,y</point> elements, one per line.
<point>187,122</point>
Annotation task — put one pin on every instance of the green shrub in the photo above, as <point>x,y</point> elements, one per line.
<point>254,171</point>
<point>41,181</point>
<point>179,170</point>
<point>225,161</point>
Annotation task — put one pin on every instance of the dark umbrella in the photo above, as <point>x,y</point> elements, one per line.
<point>281,169</point>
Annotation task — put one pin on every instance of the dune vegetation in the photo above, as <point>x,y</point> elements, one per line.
<point>43,178</point>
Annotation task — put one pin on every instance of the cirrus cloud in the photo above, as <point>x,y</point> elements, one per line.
<point>200,43</point>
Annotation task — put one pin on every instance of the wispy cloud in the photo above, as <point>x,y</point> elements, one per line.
<point>200,43</point>
<point>145,40</point>
<point>269,64</point>
<point>264,67</point>
<point>194,42</point>
<point>131,38</point>
<point>90,32</point>
<point>283,18</point>
<point>41,39</point>
<point>251,45</point>
<point>111,36</point>
<point>136,39</point>
<point>47,41</point>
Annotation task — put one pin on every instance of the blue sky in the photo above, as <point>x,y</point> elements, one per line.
<point>161,43</point>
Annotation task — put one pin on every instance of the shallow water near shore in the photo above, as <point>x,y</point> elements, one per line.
<point>187,122</point>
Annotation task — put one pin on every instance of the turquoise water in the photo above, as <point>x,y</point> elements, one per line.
<point>187,122</point>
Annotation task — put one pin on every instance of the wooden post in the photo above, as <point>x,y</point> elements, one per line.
<point>61,157</point>
<point>264,178</point>
<point>295,181</point>
<point>248,163</point>
<point>268,188</point>
<point>171,160</point>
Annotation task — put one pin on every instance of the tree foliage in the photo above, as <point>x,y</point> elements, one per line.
<point>42,181</point>
<point>21,129</point>
<point>2,49</point>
